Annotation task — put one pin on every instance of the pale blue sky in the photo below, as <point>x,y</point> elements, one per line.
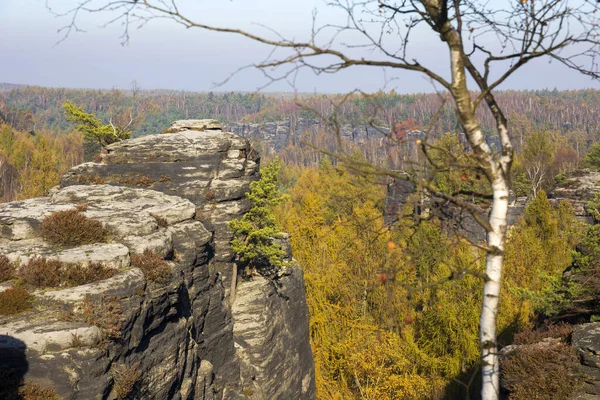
<point>165,55</point>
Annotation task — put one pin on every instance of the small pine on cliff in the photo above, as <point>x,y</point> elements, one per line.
<point>92,128</point>
<point>255,231</point>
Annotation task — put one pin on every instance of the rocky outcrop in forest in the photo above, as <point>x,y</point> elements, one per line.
<point>579,188</point>
<point>147,330</point>
<point>277,135</point>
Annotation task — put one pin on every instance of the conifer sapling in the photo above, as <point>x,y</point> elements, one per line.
<point>254,232</point>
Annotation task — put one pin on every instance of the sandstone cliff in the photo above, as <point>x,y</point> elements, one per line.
<point>277,135</point>
<point>172,194</point>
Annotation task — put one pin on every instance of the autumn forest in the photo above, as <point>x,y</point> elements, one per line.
<point>394,307</point>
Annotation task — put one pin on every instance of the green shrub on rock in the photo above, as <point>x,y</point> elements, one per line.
<point>592,159</point>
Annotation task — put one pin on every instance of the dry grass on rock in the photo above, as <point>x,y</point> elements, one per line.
<point>41,273</point>
<point>12,387</point>
<point>542,371</point>
<point>125,379</point>
<point>106,314</point>
<point>76,275</point>
<point>557,331</point>
<point>33,391</point>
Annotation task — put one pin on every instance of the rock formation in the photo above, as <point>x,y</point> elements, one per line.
<point>277,135</point>
<point>171,194</point>
<point>579,188</point>
<point>586,339</point>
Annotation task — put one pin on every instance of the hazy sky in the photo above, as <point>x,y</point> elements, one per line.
<point>165,55</point>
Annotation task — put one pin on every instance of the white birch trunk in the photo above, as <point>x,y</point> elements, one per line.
<point>490,365</point>
<point>496,170</point>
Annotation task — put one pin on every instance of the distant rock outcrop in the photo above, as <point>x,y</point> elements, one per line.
<point>277,135</point>
<point>579,188</point>
<point>171,194</point>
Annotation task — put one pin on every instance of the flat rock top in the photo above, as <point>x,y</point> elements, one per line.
<point>205,166</point>
<point>584,183</point>
<point>196,124</point>
<point>131,216</point>
<point>181,145</point>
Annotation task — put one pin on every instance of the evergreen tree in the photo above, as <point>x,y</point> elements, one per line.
<point>92,128</point>
<point>254,233</point>
<point>592,159</point>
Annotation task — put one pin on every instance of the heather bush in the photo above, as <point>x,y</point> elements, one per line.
<point>41,273</point>
<point>106,314</point>
<point>540,372</point>
<point>72,228</point>
<point>14,300</point>
<point>557,331</point>
<point>33,391</point>
<point>153,265</point>
<point>75,275</point>
<point>7,269</point>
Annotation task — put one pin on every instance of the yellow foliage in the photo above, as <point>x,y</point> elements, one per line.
<point>38,161</point>
<point>370,339</point>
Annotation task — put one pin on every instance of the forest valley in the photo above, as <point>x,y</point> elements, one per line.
<point>394,315</point>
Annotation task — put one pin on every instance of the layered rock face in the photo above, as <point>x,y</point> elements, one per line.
<point>279,134</point>
<point>579,188</point>
<point>586,339</point>
<point>172,194</point>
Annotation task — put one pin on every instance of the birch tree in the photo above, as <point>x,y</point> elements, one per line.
<point>485,43</point>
